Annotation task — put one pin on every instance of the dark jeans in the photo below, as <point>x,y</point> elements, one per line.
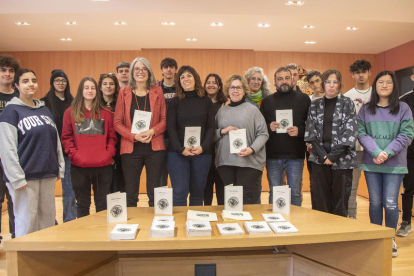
<point>242,176</point>
<point>82,178</point>
<point>407,195</point>
<point>133,163</point>
<point>258,192</point>
<point>214,177</point>
<point>164,173</point>
<point>118,180</point>
<point>5,191</point>
<point>331,189</point>
<point>188,174</point>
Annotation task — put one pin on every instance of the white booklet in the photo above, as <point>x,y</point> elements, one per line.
<point>283,227</point>
<point>192,137</point>
<point>233,198</point>
<point>141,121</point>
<point>162,229</point>
<point>163,218</point>
<point>273,217</point>
<point>257,227</point>
<point>116,206</point>
<point>238,140</point>
<point>228,215</point>
<point>198,215</point>
<point>229,229</point>
<point>124,232</point>
<point>281,199</point>
<point>198,228</point>
<point>285,119</point>
<point>163,201</point>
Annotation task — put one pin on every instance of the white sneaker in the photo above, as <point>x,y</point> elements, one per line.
<point>394,249</point>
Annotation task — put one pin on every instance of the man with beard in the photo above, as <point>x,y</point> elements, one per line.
<point>286,151</point>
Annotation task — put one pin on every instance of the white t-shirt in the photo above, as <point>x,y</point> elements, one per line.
<point>360,97</point>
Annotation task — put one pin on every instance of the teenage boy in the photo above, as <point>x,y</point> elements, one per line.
<point>122,74</point>
<point>8,67</point>
<point>169,68</point>
<point>293,68</point>
<point>360,94</point>
<point>408,181</point>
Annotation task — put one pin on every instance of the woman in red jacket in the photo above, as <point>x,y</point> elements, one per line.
<point>140,118</point>
<point>89,139</point>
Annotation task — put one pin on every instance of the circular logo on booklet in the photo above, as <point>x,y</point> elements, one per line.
<point>140,124</point>
<point>233,201</point>
<point>162,203</point>
<point>238,143</point>
<point>229,228</point>
<point>284,123</point>
<point>280,202</point>
<point>198,225</point>
<point>191,141</point>
<point>124,229</point>
<point>116,210</point>
<point>257,226</point>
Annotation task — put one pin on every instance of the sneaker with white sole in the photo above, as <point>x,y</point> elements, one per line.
<point>405,229</point>
<point>394,249</point>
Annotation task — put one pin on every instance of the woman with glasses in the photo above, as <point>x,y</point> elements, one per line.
<point>332,130</point>
<point>189,161</point>
<point>246,167</point>
<point>109,88</point>
<point>58,99</point>
<point>142,143</point>
<point>213,88</point>
<point>385,131</point>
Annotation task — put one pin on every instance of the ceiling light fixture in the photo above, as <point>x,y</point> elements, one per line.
<point>71,23</point>
<point>66,39</point>
<point>351,28</point>
<point>168,23</point>
<point>265,25</point>
<point>310,42</point>
<point>294,3</point>
<point>218,24</point>
<point>22,23</point>
<point>309,27</point>
<point>191,39</point>
<point>120,23</point>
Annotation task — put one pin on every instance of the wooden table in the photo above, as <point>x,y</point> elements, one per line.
<point>325,245</point>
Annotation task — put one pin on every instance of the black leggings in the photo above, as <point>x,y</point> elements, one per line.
<point>241,176</point>
<point>214,178</point>
<point>407,195</point>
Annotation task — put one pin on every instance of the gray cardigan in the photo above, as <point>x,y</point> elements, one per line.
<point>242,116</point>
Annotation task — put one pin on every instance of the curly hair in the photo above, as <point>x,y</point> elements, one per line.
<point>265,82</point>
<point>198,86</point>
<point>9,61</point>
<point>246,87</point>
<point>360,64</point>
<point>221,98</point>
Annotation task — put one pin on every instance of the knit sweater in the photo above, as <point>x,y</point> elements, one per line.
<point>383,131</point>
<point>242,116</point>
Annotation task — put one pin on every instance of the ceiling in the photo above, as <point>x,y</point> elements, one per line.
<point>382,24</point>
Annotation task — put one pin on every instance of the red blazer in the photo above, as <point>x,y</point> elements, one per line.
<point>122,119</point>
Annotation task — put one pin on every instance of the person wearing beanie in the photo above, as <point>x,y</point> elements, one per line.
<point>58,99</point>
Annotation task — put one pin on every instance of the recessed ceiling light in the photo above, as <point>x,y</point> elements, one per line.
<point>263,25</point>
<point>295,3</point>
<point>351,28</point>
<point>168,23</point>
<point>71,23</point>
<point>310,42</point>
<point>120,23</point>
<point>216,24</point>
<point>308,27</point>
<point>66,39</point>
<point>22,23</point>
<point>191,39</point>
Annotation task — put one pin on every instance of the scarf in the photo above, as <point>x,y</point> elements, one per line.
<point>256,98</point>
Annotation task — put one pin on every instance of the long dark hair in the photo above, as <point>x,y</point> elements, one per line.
<point>179,89</point>
<point>394,102</point>
<point>112,77</point>
<point>221,98</point>
<point>52,100</point>
<point>78,112</point>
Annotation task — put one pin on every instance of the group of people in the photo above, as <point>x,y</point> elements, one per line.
<point>88,139</point>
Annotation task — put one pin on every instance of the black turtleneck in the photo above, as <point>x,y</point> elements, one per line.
<point>282,145</point>
<point>191,111</point>
<point>237,103</point>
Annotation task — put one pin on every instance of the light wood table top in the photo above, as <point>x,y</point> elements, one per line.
<point>91,233</point>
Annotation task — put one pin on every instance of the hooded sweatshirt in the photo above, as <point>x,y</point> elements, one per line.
<point>89,144</point>
<point>29,143</point>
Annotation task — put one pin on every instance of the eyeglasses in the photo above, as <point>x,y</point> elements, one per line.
<point>108,74</point>
<point>143,70</point>
<point>331,82</point>
<point>235,88</point>
<point>388,83</point>
<point>60,81</point>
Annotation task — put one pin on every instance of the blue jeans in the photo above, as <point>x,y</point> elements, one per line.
<point>188,174</point>
<point>383,189</point>
<point>164,173</point>
<point>294,171</point>
<point>68,195</point>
